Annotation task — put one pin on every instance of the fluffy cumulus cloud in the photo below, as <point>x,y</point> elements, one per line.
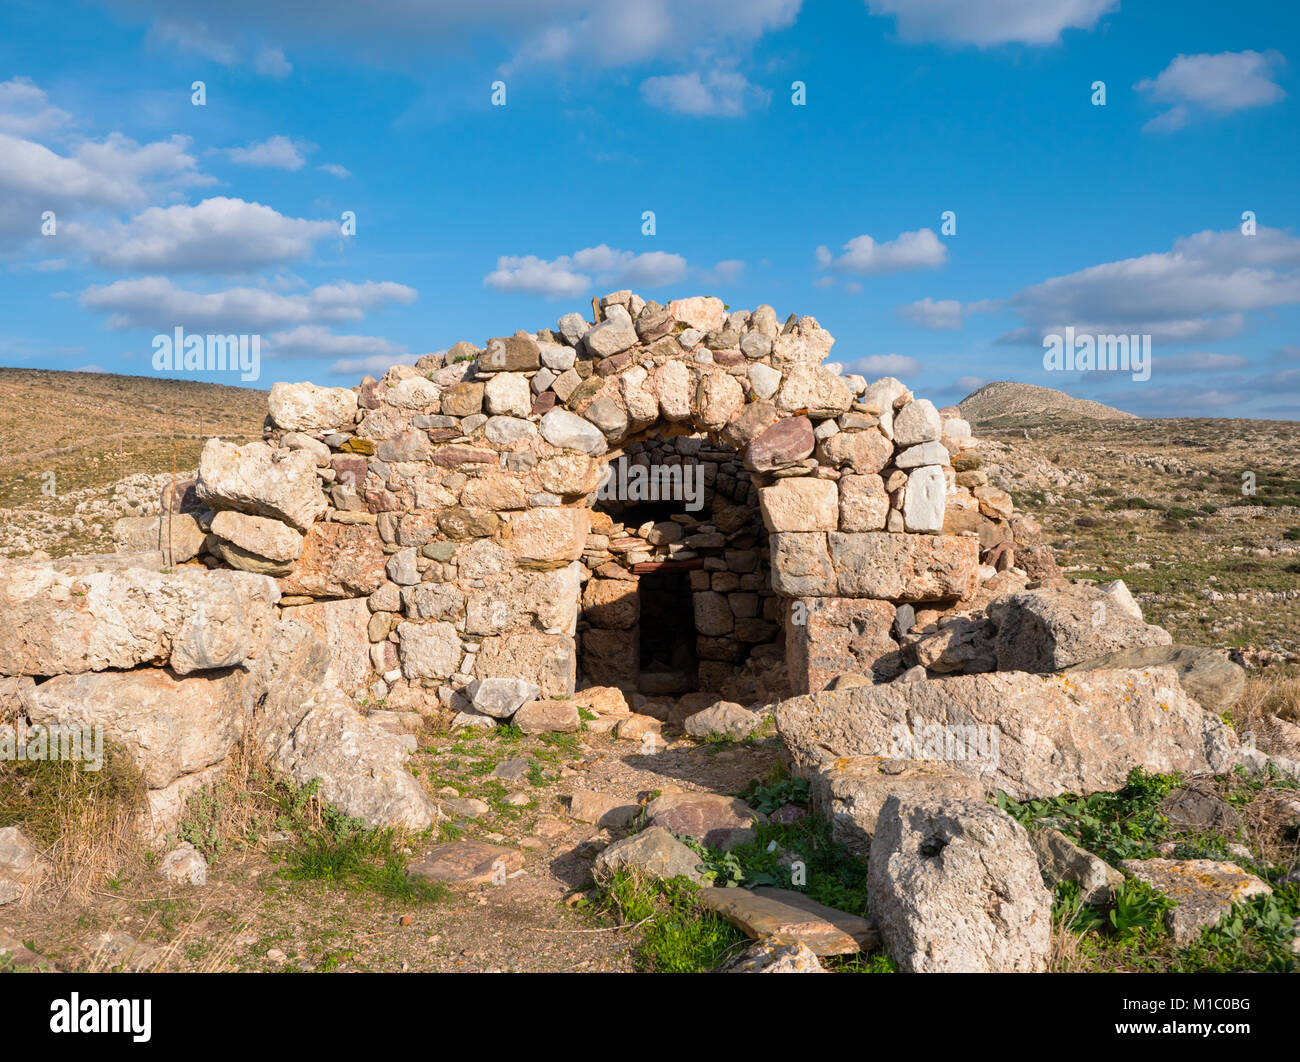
<point>156,303</point>
<point>219,235</point>
<point>863,256</point>
<point>25,109</point>
<point>985,23</point>
<point>317,341</point>
<point>113,173</point>
<point>277,153</point>
<point>943,314</point>
<point>1201,289</point>
<point>575,274</point>
<point>718,94</point>
<point>877,365</point>
<point>1194,86</point>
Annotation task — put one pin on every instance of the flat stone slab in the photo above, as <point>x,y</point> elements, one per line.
<point>711,819</point>
<point>1205,890</point>
<point>653,853</point>
<point>783,916</point>
<point>1208,676</point>
<point>467,863</point>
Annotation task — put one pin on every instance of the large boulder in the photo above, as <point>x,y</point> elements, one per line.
<point>273,540</point>
<point>168,725</point>
<point>305,725</point>
<point>654,853</point>
<point>341,625</point>
<point>307,407</point>
<point>1052,629</point>
<point>954,887</point>
<point>254,478</point>
<point>709,818</point>
<point>179,537</point>
<point>1028,735</point>
<point>1060,859</point>
<point>1208,676</point>
<point>360,767</point>
<point>849,792</point>
<point>192,619</point>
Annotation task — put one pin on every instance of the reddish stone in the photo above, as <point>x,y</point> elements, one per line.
<point>784,443</point>
<point>382,501</point>
<point>450,456</point>
<point>371,393</point>
<point>338,560</point>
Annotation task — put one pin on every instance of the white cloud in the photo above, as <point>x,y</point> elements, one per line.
<point>876,365</point>
<point>575,274</point>
<point>863,256</point>
<point>90,368</point>
<point>111,173</point>
<point>220,235</point>
<point>317,341</point>
<point>969,384</point>
<point>375,364</point>
<point>1199,361</point>
<point>985,23</point>
<point>224,45</point>
<point>278,153</point>
<point>335,170</point>
<point>270,62</point>
<point>1198,290</point>
<point>944,314</point>
<point>728,271</point>
<point>25,109</point>
<point>722,94</point>
<point>595,33</point>
<point>154,302</point>
<point>1199,85</point>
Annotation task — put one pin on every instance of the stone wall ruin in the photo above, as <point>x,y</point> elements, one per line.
<point>446,523</point>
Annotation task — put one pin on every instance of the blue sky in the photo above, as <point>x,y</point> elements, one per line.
<point>473,219</point>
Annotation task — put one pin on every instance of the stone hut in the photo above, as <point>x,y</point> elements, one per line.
<point>664,498</point>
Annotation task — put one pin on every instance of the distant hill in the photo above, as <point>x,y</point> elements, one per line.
<point>91,429</point>
<point>995,402</point>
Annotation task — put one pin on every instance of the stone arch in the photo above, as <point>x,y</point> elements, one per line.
<point>458,493</point>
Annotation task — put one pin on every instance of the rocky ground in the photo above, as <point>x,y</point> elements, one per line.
<point>1160,504</point>
<point>506,880</point>
<point>100,448</point>
<point>251,916</point>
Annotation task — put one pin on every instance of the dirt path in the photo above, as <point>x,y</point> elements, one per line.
<point>250,917</point>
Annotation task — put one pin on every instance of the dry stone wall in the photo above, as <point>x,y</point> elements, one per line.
<point>461,498</point>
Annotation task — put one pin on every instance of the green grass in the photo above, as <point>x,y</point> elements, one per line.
<point>1130,932</point>
<point>1122,825</point>
<point>343,851</point>
<point>680,936</point>
<point>677,935</point>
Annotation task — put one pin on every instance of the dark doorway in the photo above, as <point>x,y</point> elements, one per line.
<point>668,660</point>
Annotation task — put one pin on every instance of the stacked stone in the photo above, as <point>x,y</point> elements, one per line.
<point>734,607</point>
<point>454,498</point>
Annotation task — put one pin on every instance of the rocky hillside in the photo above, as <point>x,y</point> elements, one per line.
<point>997,403</point>
<point>66,438</point>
